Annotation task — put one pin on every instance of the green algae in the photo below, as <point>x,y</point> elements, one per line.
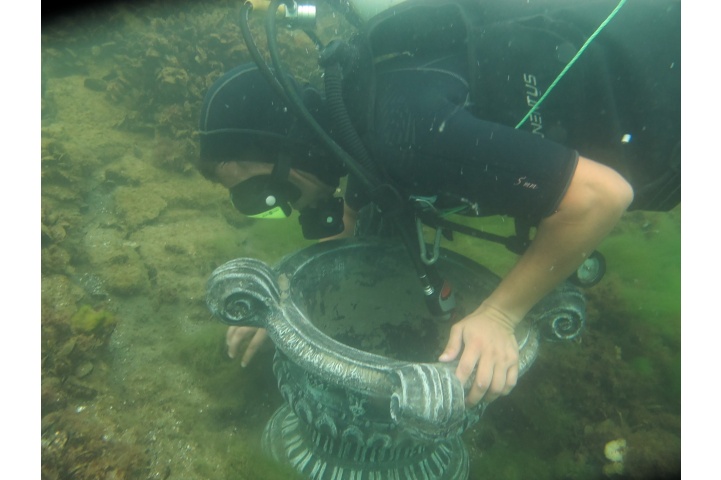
<point>243,399</point>
<point>87,319</point>
<point>509,462</point>
<point>644,263</point>
<point>492,255</point>
<point>643,366</point>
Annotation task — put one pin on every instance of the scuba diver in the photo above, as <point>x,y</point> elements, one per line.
<point>561,115</point>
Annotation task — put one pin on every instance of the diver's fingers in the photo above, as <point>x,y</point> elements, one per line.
<point>453,347</point>
<point>482,382</point>
<point>511,379</point>
<point>254,345</point>
<point>234,338</point>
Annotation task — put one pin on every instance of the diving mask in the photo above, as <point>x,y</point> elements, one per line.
<point>263,196</point>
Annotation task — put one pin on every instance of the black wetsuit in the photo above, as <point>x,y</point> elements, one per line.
<point>443,130</point>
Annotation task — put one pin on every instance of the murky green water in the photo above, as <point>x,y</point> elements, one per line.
<point>137,384</point>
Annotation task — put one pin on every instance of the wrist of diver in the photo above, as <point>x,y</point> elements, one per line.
<point>490,311</point>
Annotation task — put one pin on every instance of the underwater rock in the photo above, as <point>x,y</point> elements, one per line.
<point>60,295</point>
<point>77,446</point>
<point>130,171</point>
<point>95,84</point>
<point>84,369</point>
<point>93,285</point>
<point>66,194</point>
<point>52,234</point>
<point>66,349</point>
<point>52,395</point>
<point>138,206</point>
<point>55,259</point>
<point>80,390</point>
<point>173,83</point>
<point>127,279</point>
<point>115,262</point>
<point>175,155</point>
<point>179,258</point>
<point>54,443</point>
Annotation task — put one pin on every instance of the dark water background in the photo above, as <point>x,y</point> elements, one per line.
<point>135,381</point>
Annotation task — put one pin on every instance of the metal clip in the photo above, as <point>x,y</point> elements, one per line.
<point>421,242</point>
<point>300,15</point>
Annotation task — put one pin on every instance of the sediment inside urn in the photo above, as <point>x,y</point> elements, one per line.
<point>378,309</point>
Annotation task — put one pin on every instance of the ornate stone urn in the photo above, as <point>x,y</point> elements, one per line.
<point>356,353</point>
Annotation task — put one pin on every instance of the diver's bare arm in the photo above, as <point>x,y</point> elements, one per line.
<point>595,200</point>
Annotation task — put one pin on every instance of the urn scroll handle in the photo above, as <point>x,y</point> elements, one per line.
<point>243,292</point>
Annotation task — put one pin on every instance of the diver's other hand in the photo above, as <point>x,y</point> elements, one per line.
<point>487,340</point>
<point>235,337</point>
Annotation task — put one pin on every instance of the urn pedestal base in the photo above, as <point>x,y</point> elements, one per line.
<point>319,457</point>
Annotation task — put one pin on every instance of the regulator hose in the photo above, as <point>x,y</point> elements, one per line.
<point>296,104</point>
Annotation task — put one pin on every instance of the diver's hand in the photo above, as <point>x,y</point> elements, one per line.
<point>235,337</point>
<point>487,340</point>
